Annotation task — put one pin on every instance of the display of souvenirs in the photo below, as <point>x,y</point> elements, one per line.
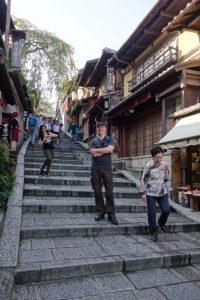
<point>182,196</point>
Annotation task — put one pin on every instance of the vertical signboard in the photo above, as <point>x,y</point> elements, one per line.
<point>109,79</point>
<point>5,127</point>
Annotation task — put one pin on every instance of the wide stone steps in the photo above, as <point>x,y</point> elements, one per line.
<point>76,173</point>
<point>60,160</point>
<point>52,259</point>
<point>60,240</point>
<point>75,191</point>
<point>55,161</point>
<point>78,204</point>
<point>77,181</point>
<point>152,284</point>
<point>68,156</point>
<point>62,166</point>
<point>37,150</point>
<point>37,225</point>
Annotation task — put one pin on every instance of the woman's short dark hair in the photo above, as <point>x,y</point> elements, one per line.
<point>156,150</point>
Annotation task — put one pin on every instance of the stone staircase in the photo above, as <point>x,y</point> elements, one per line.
<point>60,240</point>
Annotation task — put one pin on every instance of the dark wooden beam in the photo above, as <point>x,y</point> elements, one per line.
<point>175,28</point>
<point>168,90</point>
<point>193,28</point>
<point>126,58</point>
<point>138,46</point>
<point>151,32</point>
<point>164,14</point>
<point>163,117</point>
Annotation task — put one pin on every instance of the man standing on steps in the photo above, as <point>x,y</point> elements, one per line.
<point>101,149</point>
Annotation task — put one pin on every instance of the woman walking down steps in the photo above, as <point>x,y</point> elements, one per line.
<point>45,140</point>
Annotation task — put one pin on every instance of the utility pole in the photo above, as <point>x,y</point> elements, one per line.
<point>7,31</point>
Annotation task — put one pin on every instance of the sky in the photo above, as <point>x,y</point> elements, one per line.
<point>88,26</point>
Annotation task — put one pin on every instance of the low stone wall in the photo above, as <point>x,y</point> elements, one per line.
<point>10,238</point>
<point>136,164</point>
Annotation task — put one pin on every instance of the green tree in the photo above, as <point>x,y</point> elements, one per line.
<point>47,61</point>
<point>46,108</point>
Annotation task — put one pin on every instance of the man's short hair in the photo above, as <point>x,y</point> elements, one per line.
<point>156,150</point>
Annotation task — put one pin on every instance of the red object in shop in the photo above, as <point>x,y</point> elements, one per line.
<point>171,125</point>
<point>93,100</point>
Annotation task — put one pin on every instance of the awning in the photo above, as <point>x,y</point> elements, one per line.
<point>185,133</point>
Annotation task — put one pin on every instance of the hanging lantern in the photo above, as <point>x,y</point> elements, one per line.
<point>17,37</point>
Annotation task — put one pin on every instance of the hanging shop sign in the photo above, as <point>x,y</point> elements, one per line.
<point>6,126</point>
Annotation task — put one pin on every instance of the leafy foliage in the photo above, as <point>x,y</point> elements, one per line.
<point>45,108</point>
<point>47,62</point>
<point>7,176</point>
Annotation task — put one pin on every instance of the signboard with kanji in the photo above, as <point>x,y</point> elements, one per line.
<point>6,126</point>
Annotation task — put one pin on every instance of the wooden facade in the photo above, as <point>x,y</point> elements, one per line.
<point>160,78</point>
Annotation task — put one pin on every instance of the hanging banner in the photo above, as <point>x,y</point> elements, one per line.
<point>6,126</point>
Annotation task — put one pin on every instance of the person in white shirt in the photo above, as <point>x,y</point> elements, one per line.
<point>56,130</point>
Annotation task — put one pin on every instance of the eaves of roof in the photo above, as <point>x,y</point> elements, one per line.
<point>187,19</point>
<point>5,85</point>
<point>100,68</point>
<point>19,88</point>
<point>143,89</point>
<point>3,12</point>
<point>147,31</point>
<point>89,67</point>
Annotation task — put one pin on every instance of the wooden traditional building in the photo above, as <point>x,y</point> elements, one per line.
<point>160,69</point>
<point>184,138</point>
<point>104,89</point>
<point>13,96</point>
<point>153,80</point>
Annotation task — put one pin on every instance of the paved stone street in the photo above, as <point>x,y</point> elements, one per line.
<point>65,254</point>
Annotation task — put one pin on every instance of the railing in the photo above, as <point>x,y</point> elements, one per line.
<point>166,58</point>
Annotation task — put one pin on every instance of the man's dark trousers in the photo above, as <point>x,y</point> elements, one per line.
<point>97,177</point>
<point>165,211</point>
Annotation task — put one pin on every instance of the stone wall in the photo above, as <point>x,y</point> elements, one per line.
<point>136,164</point>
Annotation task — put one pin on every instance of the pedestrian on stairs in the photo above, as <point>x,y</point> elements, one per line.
<point>32,125</point>
<point>46,140</point>
<point>101,149</point>
<point>56,130</point>
<point>15,129</point>
<point>155,187</point>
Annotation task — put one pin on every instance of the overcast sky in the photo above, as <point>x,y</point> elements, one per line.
<point>87,25</point>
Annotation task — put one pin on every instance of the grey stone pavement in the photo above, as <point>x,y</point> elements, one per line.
<point>182,283</point>
<point>51,247</point>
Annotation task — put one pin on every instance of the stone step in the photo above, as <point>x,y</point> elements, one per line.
<point>73,191</point>
<point>73,204</point>
<point>156,284</point>
<point>59,166</point>
<point>51,259</point>
<point>77,181</point>
<point>60,160</point>
<point>69,156</point>
<point>67,149</point>
<point>79,173</point>
<point>57,224</point>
